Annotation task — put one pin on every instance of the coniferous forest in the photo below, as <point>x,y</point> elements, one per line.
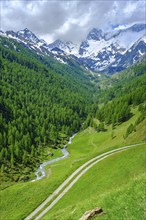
<point>39,103</point>
<point>43,100</point>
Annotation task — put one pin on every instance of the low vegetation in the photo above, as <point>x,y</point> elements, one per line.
<point>115,184</point>
<point>86,145</point>
<point>44,102</point>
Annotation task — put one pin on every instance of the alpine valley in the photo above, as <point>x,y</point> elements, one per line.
<point>74,115</point>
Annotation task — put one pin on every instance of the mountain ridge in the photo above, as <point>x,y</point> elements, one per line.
<point>104,52</point>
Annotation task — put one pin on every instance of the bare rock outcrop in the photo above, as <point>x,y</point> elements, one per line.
<point>92,213</point>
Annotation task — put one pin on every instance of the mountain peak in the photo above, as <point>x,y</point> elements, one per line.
<point>28,35</point>
<point>95,34</point>
<point>24,31</point>
<point>99,51</point>
<point>57,43</point>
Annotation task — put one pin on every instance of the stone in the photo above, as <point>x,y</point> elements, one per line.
<point>91,213</point>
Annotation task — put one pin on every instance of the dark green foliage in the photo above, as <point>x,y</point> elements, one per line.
<point>125,91</point>
<point>130,83</point>
<point>128,91</point>
<point>100,127</point>
<point>130,129</point>
<point>140,119</point>
<point>39,100</point>
<point>115,112</point>
<point>142,108</point>
<point>88,121</point>
<point>42,100</point>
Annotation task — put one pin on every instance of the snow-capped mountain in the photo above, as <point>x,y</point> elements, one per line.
<point>95,34</point>
<point>103,52</point>
<point>134,53</point>
<point>29,39</point>
<point>67,47</point>
<point>28,35</point>
<point>108,52</point>
<point>24,35</point>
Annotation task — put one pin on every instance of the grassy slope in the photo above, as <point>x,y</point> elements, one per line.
<point>115,184</point>
<point>20,199</point>
<point>44,157</point>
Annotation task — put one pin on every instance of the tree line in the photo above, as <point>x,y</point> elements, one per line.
<point>128,91</point>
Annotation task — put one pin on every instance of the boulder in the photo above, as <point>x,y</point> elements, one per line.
<point>91,213</point>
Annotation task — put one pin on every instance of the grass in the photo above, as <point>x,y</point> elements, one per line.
<point>10,178</point>
<point>19,200</point>
<point>115,184</point>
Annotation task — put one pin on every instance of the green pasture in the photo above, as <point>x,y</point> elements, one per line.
<point>116,184</point>
<point>19,200</point>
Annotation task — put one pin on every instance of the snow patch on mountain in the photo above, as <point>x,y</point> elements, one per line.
<point>28,35</point>
<point>103,52</point>
<point>67,47</point>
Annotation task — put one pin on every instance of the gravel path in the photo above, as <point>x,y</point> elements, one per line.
<point>73,178</point>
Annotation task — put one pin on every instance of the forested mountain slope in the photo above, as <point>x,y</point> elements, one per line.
<point>41,99</point>
<point>43,102</point>
<point>117,95</point>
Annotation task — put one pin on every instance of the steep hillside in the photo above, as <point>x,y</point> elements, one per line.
<point>21,199</point>
<point>125,169</point>
<point>105,52</point>
<point>41,101</point>
<point>108,52</point>
<point>122,92</point>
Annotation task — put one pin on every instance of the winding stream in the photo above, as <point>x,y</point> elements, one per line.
<point>41,173</point>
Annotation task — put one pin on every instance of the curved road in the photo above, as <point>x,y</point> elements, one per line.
<point>75,176</point>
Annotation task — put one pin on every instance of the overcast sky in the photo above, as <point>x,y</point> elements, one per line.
<point>68,20</point>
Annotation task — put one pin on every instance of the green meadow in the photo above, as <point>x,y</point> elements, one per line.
<point>116,184</point>
<point>19,200</point>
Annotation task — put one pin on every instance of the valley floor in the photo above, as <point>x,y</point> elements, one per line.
<point>104,185</point>
<point>116,184</point>
<point>70,181</point>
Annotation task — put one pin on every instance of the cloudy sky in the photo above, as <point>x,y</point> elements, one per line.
<point>70,19</point>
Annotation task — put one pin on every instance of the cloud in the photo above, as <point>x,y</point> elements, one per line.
<point>68,20</point>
